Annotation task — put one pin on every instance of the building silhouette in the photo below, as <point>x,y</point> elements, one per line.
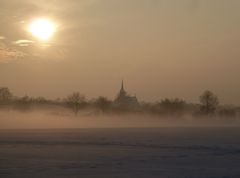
<point>124,100</point>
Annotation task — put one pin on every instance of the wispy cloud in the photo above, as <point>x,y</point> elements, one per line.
<point>2,37</point>
<point>23,43</point>
<point>8,53</point>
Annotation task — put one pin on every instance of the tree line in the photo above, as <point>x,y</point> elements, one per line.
<point>208,105</point>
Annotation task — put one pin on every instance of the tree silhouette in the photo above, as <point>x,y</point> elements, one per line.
<point>227,112</point>
<point>75,101</point>
<point>103,103</point>
<point>23,103</point>
<point>5,95</point>
<point>172,106</point>
<point>209,102</point>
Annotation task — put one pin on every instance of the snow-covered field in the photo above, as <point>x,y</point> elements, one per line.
<point>121,153</point>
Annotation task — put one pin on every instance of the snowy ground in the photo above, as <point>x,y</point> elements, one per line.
<point>121,153</point>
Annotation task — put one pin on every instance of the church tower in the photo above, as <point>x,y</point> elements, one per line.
<point>124,100</point>
<point>122,90</point>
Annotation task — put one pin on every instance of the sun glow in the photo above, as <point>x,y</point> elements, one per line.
<point>42,29</point>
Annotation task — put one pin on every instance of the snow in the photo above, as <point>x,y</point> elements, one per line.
<point>121,153</point>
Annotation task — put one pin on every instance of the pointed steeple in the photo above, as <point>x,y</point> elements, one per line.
<point>122,91</point>
<point>122,88</point>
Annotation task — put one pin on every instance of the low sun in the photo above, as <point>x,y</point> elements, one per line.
<point>43,29</point>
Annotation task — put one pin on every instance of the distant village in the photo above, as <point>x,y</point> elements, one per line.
<point>124,103</point>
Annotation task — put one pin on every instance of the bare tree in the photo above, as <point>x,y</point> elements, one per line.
<point>23,103</point>
<point>209,102</point>
<point>5,95</point>
<point>75,101</point>
<point>171,106</point>
<point>103,103</point>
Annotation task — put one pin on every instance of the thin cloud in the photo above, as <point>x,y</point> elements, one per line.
<point>8,53</point>
<point>2,38</point>
<point>23,43</point>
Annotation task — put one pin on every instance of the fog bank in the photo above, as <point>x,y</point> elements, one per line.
<point>60,119</point>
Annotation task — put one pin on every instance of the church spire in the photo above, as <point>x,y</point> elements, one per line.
<point>122,88</point>
<point>122,91</point>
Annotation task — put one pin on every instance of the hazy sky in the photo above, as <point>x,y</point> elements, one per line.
<point>161,48</point>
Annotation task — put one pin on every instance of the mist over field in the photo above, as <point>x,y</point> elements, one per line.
<point>62,118</point>
<point>125,111</point>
